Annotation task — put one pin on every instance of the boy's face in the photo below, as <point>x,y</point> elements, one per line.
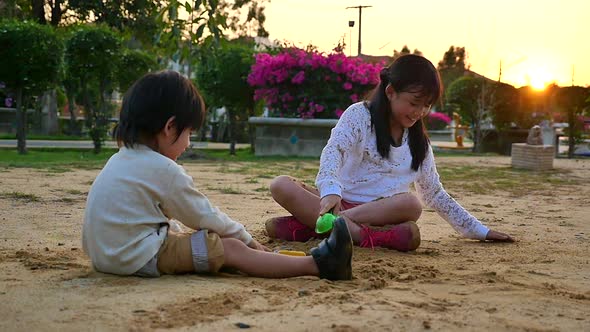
<point>178,147</point>
<point>173,149</point>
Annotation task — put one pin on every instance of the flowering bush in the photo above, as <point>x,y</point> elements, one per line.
<point>437,121</point>
<point>299,84</point>
<point>6,99</point>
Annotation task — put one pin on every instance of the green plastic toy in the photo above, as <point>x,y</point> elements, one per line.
<point>325,223</point>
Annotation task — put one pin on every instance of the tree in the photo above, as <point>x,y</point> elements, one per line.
<point>14,9</point>
<point>474,99</point>
<point>572,100</point>
<point>91,56</point>
<point>405,50</point>
<point>505,111</point>
<point>534,106</point>
<point>179,34</point>
<point>31,59</point>
<point>138,18</point>
<point>253,21</point>
<point>132,66</point>
<point>55,8</point>
<point>222,75</point>
<point>451,67</point>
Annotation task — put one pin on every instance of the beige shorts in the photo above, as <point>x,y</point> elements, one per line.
<point>199,252</point>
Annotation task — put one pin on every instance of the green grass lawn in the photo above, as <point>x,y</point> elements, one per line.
<point>48,137</point>
<point>56,160</point>
<point>475,179</point>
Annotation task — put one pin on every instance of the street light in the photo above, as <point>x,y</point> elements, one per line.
<point>360,8</point>
<point>350,25</point>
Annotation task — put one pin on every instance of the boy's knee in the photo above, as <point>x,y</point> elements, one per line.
<point>231,244</point>
<point>278,184</point>
<point>232,251</point>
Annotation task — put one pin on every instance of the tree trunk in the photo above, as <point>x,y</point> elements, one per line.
<point>571,119</point>
<point>232,134</point>
<point>477,143</point>
<point>56,12</point>
<point>10,8</point>
<point>21,118</point>
<point>49,106</point>
<point>38,7</point>
<point>90,119</point>
<point>251,131</point>
<point>72,108</point>
<point>99,117</point>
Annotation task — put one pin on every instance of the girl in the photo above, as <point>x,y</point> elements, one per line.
<point>128,227</point>
<point>375,151</point>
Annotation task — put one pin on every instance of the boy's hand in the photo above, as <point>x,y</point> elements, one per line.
<point>330,202</point>
<point>498,237</point>
<point>257,246</point>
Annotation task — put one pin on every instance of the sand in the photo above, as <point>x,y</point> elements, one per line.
<point>540,283</point>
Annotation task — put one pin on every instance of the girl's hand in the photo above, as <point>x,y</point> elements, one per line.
<point>257,246</point>
<point>330,202</point>
<point>498,237</point>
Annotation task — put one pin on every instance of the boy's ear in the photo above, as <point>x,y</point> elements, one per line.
<point>170,126</point>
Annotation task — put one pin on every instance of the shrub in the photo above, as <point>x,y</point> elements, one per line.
<point>299,84</point>
<point>437,121</point>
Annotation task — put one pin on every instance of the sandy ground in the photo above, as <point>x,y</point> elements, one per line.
<point>540,283</point>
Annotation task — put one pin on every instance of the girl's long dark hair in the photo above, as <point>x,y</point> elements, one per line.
<point>408,73</point>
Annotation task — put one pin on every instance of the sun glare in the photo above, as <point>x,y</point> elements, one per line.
<point>539,80</point>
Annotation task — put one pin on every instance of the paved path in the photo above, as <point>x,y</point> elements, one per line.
<point>11,143</point>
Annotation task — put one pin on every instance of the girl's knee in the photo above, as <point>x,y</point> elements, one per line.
<point>414,207</point>
<point>281,184</point>
<point>278,183</point>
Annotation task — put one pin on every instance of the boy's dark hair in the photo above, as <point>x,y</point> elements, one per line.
<point>408,73</point>
<point>151,101</point>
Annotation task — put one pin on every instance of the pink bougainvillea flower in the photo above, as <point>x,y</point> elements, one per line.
<point>296,83</point>
<point>298,78</point>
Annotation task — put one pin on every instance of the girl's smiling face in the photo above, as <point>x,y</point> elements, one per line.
<point>407,107</point>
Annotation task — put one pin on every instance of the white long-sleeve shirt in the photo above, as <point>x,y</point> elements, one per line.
<point>130,204</point>
<point>352,168</point>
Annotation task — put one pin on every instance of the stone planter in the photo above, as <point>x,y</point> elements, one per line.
<point>291,137</point>
<point>534,157</point>
<point>445,135</point>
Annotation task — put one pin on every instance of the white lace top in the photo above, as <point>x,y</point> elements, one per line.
<point>351,167</point>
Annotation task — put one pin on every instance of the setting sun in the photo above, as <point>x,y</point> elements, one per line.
<point>539,79</point>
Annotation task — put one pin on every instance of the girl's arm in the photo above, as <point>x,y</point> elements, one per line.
<point>189,206</point>
<point>348,132</point>
<point>434,195</point>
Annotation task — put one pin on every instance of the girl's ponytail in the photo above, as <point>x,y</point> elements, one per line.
<point>383,76</point>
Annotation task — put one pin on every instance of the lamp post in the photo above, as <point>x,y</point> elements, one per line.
<point>360,8</point>
<point>350,25</point>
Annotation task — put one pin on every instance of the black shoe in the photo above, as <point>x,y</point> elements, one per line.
<point>333,255</point>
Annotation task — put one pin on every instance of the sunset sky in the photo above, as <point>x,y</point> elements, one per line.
<point>538,41</point>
